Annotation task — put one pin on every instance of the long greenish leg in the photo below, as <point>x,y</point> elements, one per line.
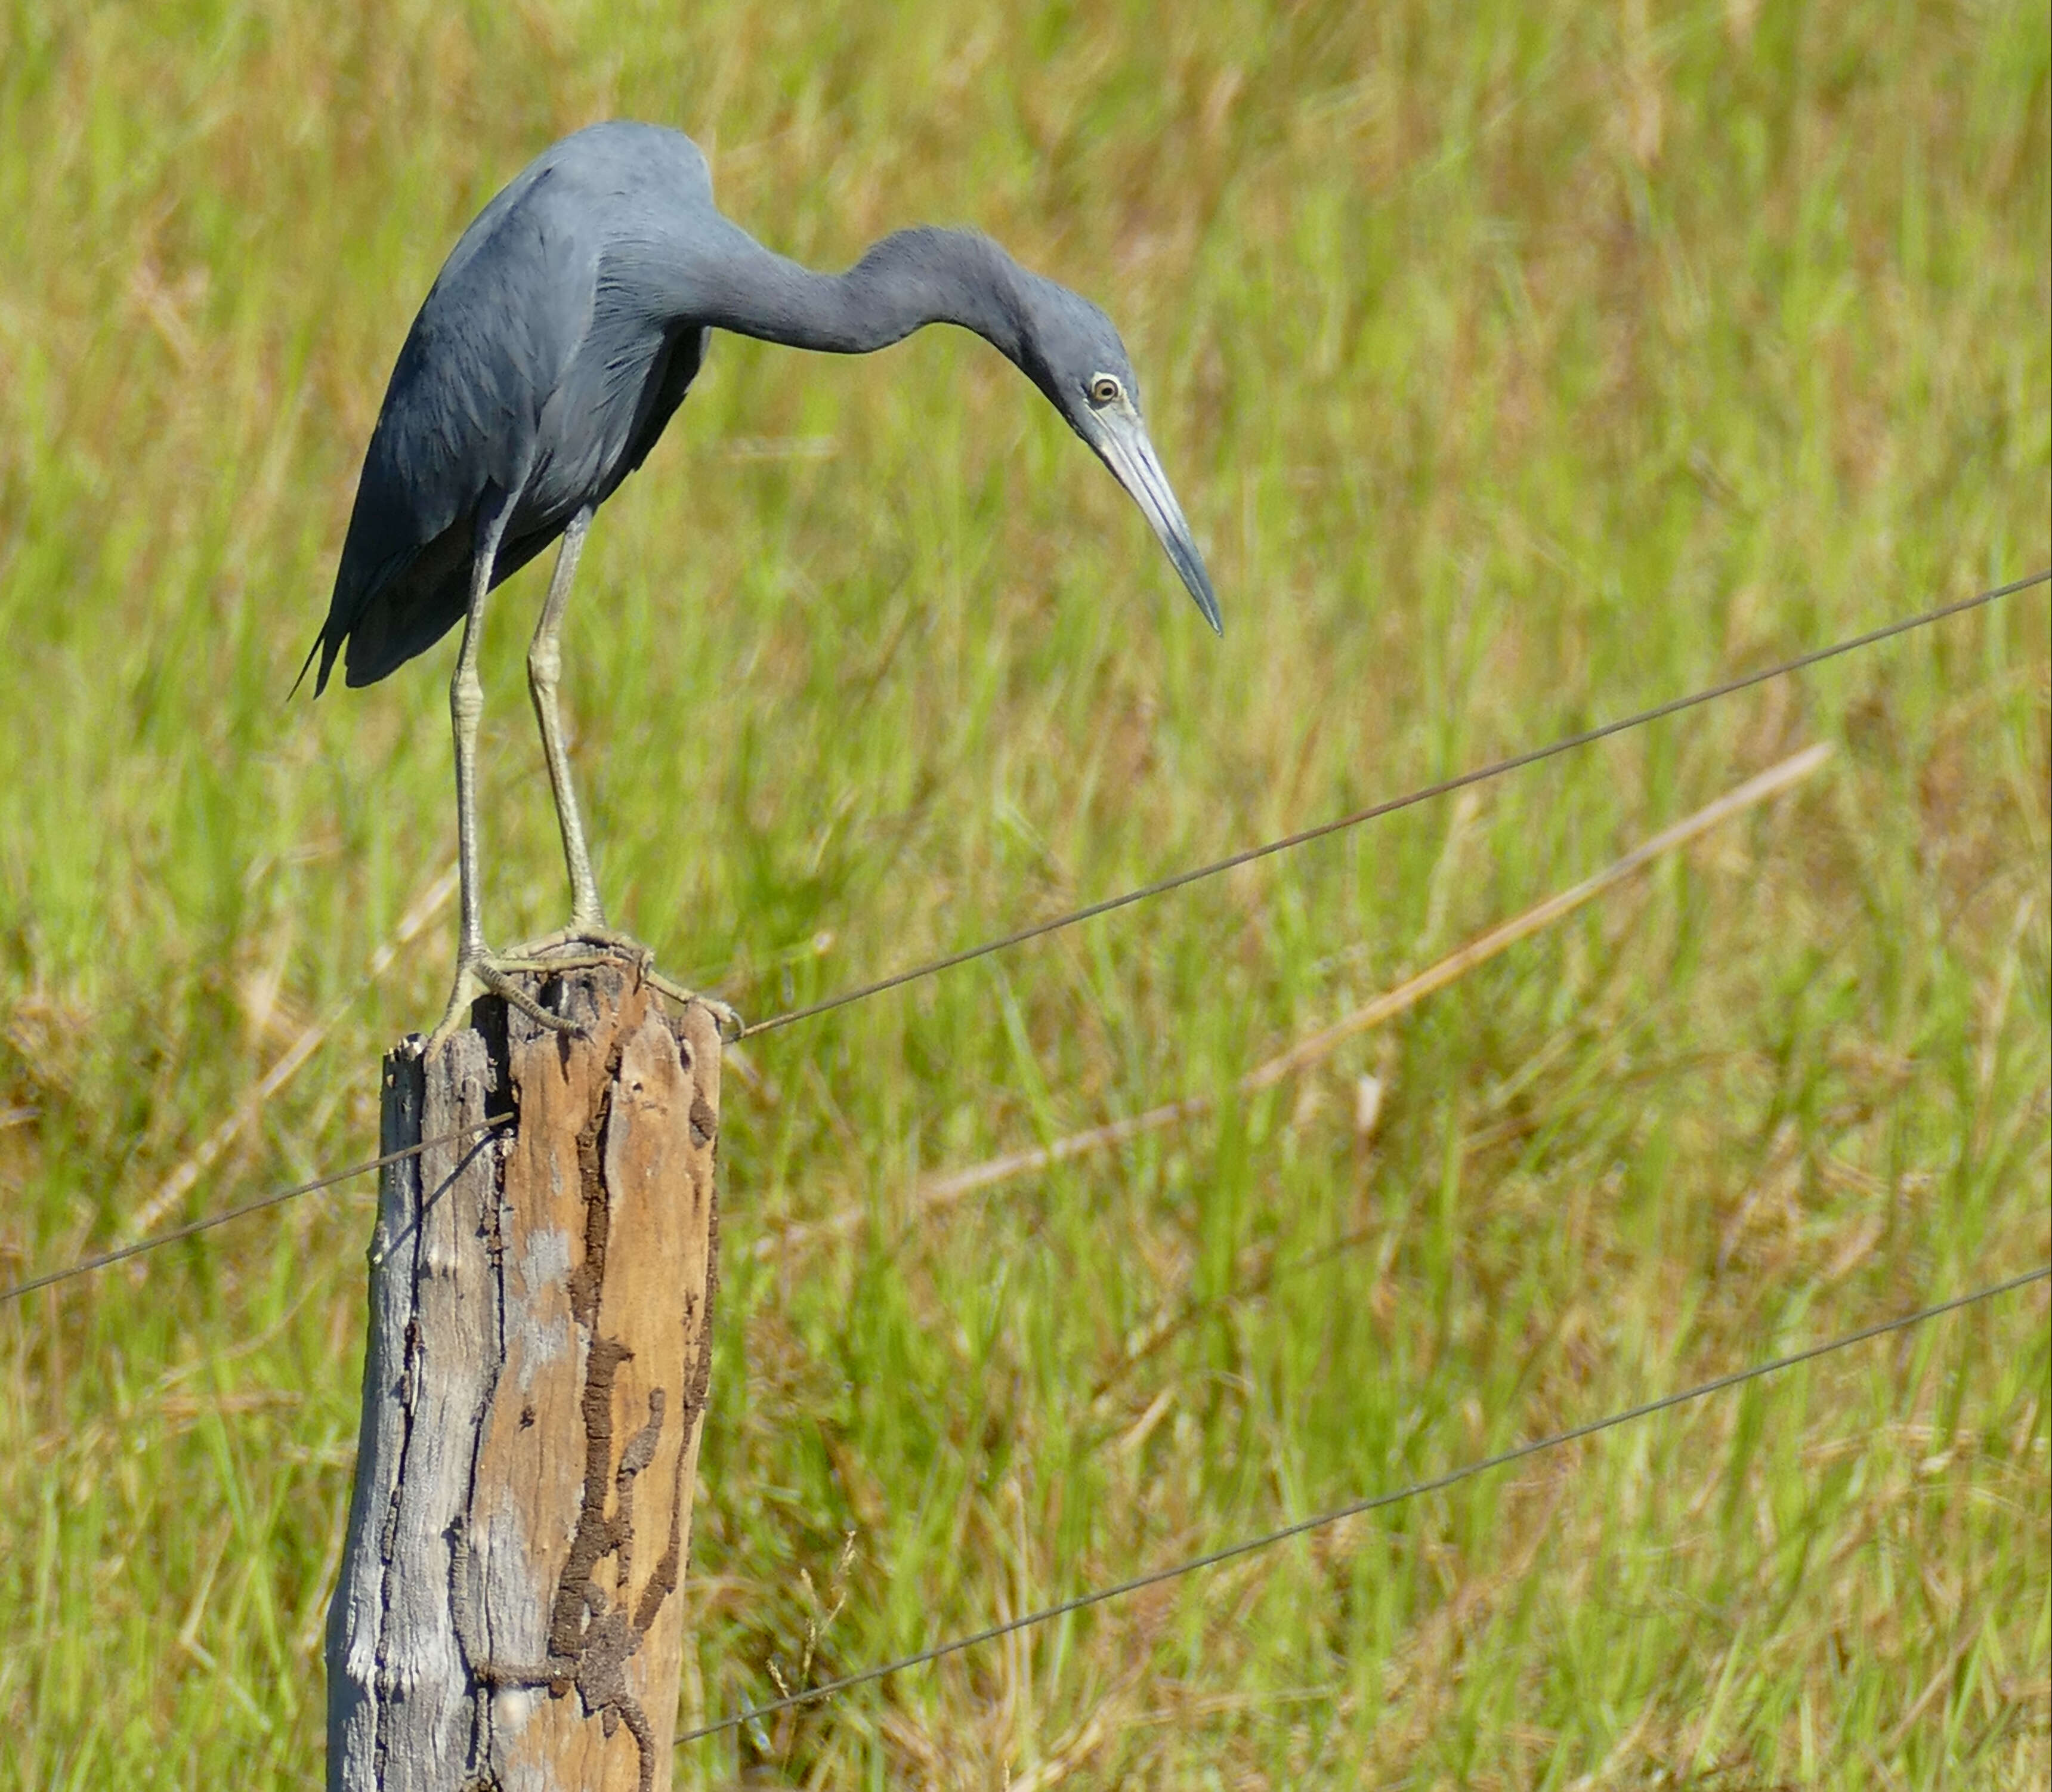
<point>477,969</point>
<point>473,972</point>
<point>545,664</point>
<point>466,706</point>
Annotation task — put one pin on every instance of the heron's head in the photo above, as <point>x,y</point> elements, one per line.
<point>1071,352</point>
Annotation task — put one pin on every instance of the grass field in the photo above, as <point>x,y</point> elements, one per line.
<point>1518,366</point>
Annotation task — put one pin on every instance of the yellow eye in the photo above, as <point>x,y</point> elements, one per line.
<point>1104,389</point>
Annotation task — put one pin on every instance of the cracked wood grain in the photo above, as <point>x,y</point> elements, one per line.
<point>510,1614</point>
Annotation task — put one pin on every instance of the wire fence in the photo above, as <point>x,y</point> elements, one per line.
<point>86,1265</point>
<point>478,1135</point>
<point>1374,1502</point>
<point>1446,787</point>
<point>1495,768</point>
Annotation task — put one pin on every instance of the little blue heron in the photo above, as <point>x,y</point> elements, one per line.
<point>560,337</point>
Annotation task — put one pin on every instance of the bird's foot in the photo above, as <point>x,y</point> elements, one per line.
<point>553,952</point>
<point>491,973</point>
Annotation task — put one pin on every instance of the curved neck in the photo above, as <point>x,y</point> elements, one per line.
<point>910,278</point>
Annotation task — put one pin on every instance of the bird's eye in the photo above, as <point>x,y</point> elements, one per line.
<point>1104,389</point>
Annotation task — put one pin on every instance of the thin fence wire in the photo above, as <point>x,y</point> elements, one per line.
<point>1269,1539</point>
<point>86,1265</point>
<point>1495,768</point>
<point>1039,929</point>
<point>1374,1502</point>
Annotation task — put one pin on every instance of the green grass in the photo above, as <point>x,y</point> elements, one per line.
<point>1519,365</point>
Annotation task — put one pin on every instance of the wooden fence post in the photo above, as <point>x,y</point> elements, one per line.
<point>510,1614</point>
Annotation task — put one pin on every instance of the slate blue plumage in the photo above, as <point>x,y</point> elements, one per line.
<point>558,342</point>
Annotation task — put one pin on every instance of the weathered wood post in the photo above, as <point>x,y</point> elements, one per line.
<point>510,1614</point>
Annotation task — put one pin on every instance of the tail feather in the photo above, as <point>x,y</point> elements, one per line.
<point>403,620</point>
<point>378,621</point>
<point>320,684</point>
<point>408,605</point>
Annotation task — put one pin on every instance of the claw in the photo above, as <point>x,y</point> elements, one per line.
<point>486,973</point>
<point>730,1024</point>
<point>491,973</point>
<point>610,942</point>
<point>494,972</point>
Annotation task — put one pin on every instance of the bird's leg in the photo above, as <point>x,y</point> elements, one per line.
<point>587,925</point>
<point>475,973</point>
<point>545,663</point>
<point>466,707</point>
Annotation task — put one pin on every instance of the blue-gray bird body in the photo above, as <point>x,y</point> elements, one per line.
<point>563,332</point>
<point>532,369</point>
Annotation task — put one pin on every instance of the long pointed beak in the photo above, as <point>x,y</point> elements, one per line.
<point>1121,440</point>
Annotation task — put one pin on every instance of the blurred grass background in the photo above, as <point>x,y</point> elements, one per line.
<point>1518,366</point>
